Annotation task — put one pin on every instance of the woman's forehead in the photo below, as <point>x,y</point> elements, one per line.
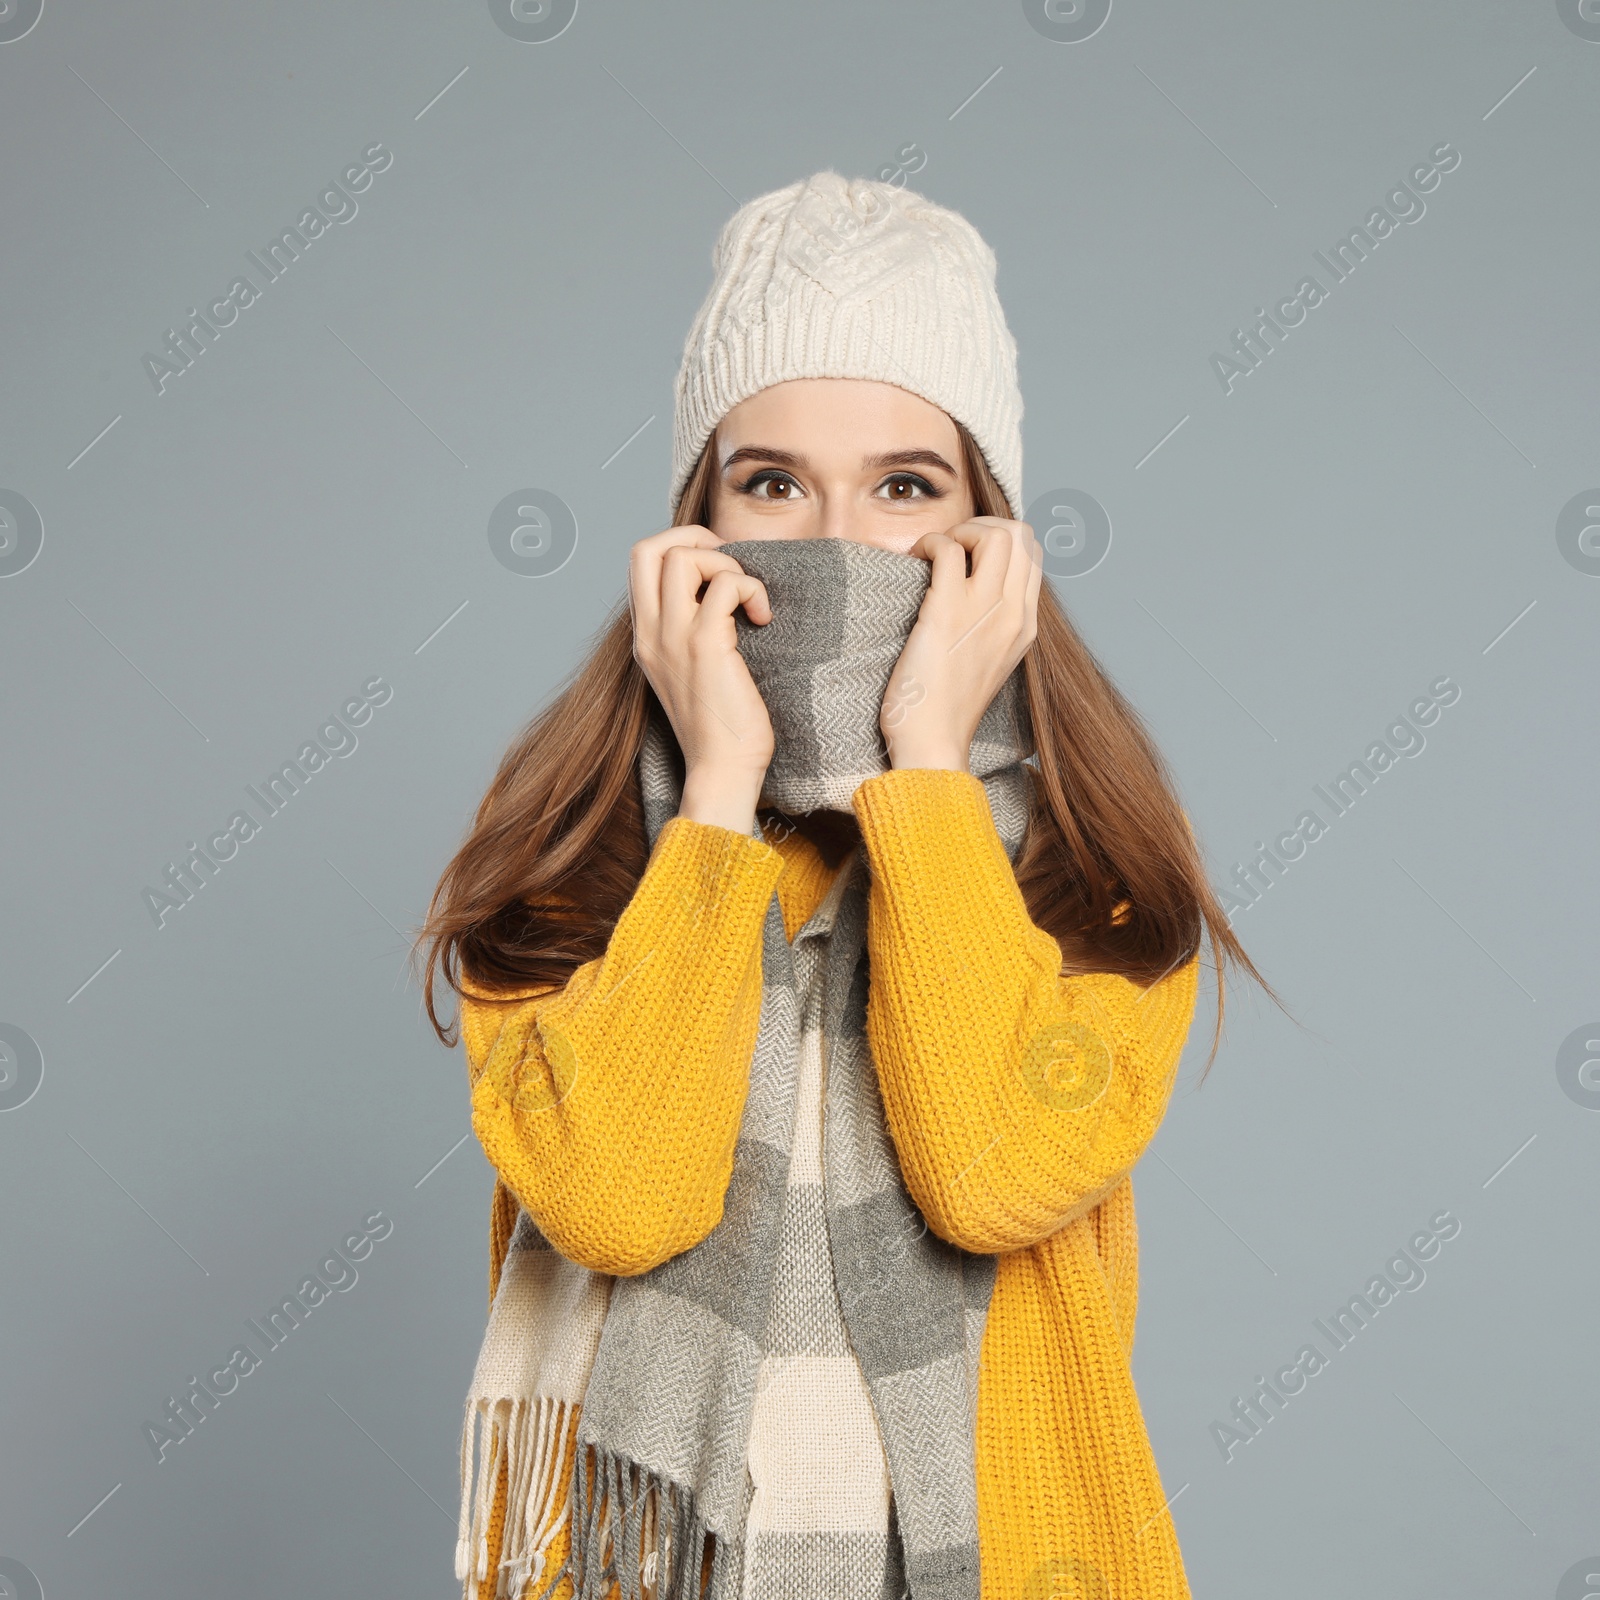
<point>854,413</point>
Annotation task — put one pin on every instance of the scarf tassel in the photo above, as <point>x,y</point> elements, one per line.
<point>637,1531</point>
<point>528,1435</point>
<point>621,1506</point>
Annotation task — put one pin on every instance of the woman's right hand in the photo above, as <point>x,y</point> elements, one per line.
<point>688,648</point>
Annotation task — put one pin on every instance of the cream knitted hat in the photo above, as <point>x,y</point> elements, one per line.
<point>852,278</point>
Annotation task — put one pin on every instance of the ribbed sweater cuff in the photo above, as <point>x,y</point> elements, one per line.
<point>932,844</point>
<point>727,876</point>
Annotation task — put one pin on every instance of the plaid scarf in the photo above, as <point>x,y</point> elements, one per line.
<point>821,1303</point>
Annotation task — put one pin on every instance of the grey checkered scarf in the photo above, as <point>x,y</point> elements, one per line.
<point>666,1368</point>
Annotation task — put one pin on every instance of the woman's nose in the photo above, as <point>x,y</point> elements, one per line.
<point>841,517</point>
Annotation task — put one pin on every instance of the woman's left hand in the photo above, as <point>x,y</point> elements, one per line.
<point>969,635</point>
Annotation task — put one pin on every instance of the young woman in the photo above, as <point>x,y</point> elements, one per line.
<point>826,951</point>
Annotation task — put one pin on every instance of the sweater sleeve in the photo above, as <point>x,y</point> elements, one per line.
<point>610,1106</point>
<point>1017,1098</point>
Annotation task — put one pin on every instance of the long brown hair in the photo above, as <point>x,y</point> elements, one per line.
<point>1109,865</point>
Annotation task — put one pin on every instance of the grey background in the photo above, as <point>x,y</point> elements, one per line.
<point>307,507</point>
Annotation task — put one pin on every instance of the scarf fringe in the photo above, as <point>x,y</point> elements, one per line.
<point>616,1505</point>
<point>638,1531</point>
<point>530,1434</point>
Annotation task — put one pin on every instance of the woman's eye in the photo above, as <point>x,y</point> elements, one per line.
<point>905,486</point>
<point>771,485</point>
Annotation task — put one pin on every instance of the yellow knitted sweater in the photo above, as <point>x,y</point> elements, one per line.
<point>1007,1144</point>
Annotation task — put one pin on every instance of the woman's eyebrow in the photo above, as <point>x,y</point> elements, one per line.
<point>889,458</point>
<point>908,458</point>
<point>760,452</point>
